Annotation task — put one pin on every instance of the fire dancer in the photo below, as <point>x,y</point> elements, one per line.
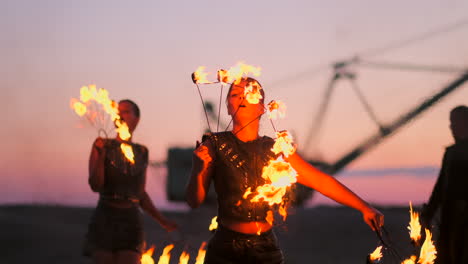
<point>115,233</point>
<point>234,160</point>
<point>450,195</point>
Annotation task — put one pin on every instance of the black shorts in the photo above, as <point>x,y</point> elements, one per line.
<point>228,246</point>
<point>115,229</point>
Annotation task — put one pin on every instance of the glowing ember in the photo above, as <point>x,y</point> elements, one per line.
<point>89,94</point>
<point>414,226</point>
<point>214,224</point>
<point>283,143</point>
<point>428,250</point>
<point>166,255</point>
<point>184,258</point>
<point>411,260</point>
<point>252,93</point>
<point>147,258</point>
<point>276,109</point>
<point>201,254</point>
<point>199,76</point>
<point>377,254</point>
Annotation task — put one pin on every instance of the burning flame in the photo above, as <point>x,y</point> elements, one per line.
<point>184,258</point>
<point>276,109</point>
<point>214,224</point>
<point>233,75</point>
<point>128,152</point>
<point>428,250</point>
<point>201,254</point>
<point>199,76</point>
<point>279,175</point>
<point>223,76</point>
<point>236,73</point>
<point>411,260</point>
<point>283,144</point>
<point>147,258</point>
<point>376,255</point>
<point>79,107</point>
<point>91,93</point>
<point>252,92</point>
<point>414,226</point>
<point>166,255</point>
<point>269,218</point>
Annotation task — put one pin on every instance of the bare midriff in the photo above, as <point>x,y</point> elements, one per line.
<point>119,204</point>
<point>246,227</point>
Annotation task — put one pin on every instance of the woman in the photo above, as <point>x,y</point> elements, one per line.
<point>115,233</point>
<point>233,160</point>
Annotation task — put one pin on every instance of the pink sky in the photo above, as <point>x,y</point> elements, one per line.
<point>147,51</point>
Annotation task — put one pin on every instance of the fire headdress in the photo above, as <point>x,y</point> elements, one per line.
<point>278,173</point>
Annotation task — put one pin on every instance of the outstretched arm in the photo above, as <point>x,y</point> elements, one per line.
<point>96,165</point>
<point>200,178</point>
<point>330,187</point>
<point>147,205</point>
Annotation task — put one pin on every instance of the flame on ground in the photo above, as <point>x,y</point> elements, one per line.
<point>146,258</point>
<point>184,258</point>
<point>414,225</point>
<point>166,255</point>
<point>214,224</point>
<point>201,254</point>
<point>428,250</point>
<point>377,254</point>
<point>411,260</point>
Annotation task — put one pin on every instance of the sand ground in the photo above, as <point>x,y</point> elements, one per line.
<point>39,234</point>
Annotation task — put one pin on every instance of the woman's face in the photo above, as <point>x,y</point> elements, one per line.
<point>236,102</point>
<point>127,114</point>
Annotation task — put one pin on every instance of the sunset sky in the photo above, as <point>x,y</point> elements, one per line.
<point>146,51</point>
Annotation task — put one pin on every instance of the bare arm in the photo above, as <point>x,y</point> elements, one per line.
<point>96,165</point>
<point>147,205</point>
<point>330,187</point>
<point>200,178</point>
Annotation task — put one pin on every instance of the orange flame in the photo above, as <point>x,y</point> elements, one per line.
<point>283,212</point>
<point>377,254</point>
<point>146,258</point>
<point>276,109</point>
<point>184,258</point>
<point>223,76</point>
<point>269,218</point>
<point>252,93</point>
<point>214,224</point>
<point>201,254</point>
<point>128,152</point>
<point>283,143</point>
<point>101,97</point>
<point>199,76</point>
<point>79,107</point>
<point>428,250</point>
<point>166,255</point>
<point>279,176</point>
<point>411,260</point>
<point>414,226</point>
<point>235,73</point>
